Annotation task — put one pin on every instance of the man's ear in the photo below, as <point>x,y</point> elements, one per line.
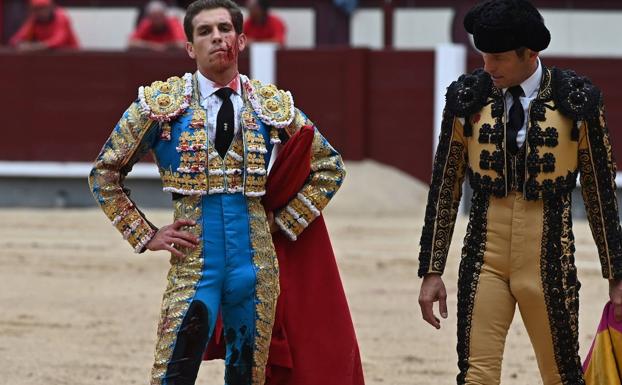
<point>242,41</point>
<point>190,50</point>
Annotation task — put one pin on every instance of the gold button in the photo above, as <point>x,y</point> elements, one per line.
<point>272,106</point>
<point>163,100</point>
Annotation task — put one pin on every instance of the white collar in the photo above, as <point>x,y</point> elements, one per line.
<point>208,87</point>
<point>532,84</point>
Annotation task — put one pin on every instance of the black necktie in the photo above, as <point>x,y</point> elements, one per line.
<point>224,122</point>
<point>515,119</point>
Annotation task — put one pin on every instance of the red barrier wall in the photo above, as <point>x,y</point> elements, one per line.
<point>329,86</point>
<point>369,104</point>
<point>62,106</point>
<point>401,100</point>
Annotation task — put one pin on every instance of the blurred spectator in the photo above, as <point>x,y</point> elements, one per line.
<point>47,27</point>
<point>158,31</point>
<point>261,25</point>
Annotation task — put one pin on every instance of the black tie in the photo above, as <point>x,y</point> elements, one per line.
<point>224,121</point>
<point>516,118</point>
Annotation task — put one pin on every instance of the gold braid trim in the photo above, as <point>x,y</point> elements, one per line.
<point>183,277</point>
<point>327,174</point>
<point>267,287</point>
<point>123,148</point>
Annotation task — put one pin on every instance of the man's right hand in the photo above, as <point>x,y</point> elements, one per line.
<point>433,290</point>
<point>169,237</point>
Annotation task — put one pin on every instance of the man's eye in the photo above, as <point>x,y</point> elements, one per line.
<point>203,31</point>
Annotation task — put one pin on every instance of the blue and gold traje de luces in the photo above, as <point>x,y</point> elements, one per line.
<point>234,268</point>
<point>239,273</point>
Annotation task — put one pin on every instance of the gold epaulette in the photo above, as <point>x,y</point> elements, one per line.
<point>164,101</point>
<point>274,107</point>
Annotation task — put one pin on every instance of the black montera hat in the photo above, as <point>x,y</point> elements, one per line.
<point>505,25</point>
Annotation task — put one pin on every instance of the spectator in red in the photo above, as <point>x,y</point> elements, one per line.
<point>262,25</point>
<point>47,27</point>
<point>158,31</point>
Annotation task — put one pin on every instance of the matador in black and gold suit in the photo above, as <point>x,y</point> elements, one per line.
<point>519,247</point>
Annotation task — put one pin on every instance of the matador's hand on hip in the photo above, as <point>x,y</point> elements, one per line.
<point>615,294</point>
<point>433,290</point>
<point>170,238</point>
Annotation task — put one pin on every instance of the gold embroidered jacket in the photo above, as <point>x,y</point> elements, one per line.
<point>168,120</point>
<point>567,135</point>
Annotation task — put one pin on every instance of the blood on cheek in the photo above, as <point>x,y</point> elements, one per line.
<point>232,51</point>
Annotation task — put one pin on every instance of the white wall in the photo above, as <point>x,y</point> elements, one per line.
<point>103,28</point>
<point>412,28</point>
<point>367,28</point>
<point>300,24</point>
<point>584,33</point>
<point>422,28</point>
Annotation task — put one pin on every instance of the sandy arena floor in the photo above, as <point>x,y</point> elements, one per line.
<point>77,307</point>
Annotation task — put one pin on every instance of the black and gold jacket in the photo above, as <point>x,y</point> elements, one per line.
<point>567,135</point>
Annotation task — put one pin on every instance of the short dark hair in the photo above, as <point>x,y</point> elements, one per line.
<point>520,52</point>
<point>201,5</point>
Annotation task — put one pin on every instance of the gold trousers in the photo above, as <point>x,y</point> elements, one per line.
<point>523,254</point>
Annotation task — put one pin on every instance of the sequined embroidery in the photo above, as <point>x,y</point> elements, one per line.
<point>130,139</point>
<point>468,277</point>
<point>273,106</point>
<point>326,177</point>
<point>560,286</point>
<point>267,289</point>
<point>203,171</point>
<point>598,186</point>
<point>165,101</point>
<point>443,200</point>
<point>183,277</point>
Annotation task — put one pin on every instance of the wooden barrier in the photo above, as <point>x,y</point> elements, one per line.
<point>370,104</point>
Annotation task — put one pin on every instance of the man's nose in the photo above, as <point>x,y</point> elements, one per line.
<point>489,66</point>
<point>216,36</point>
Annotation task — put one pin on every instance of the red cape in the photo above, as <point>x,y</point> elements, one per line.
<point>313,339</point>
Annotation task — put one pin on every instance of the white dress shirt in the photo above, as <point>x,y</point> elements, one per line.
<point>530,87</point>
<point>211,102</point>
